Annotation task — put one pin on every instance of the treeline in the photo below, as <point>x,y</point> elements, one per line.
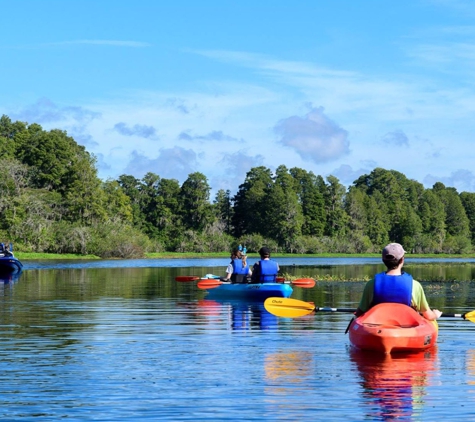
<point>51,200</point>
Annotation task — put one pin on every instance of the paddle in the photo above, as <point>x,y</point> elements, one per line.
<point>209,283</point>
<point>292,308</point>
<point>186,278</point>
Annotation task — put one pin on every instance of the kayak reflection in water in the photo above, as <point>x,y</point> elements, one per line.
<point>394,385</point>
<point>248,315</point>
<point>242,315</point>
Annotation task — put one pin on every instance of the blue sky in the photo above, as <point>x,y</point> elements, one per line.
<point>335,87</point>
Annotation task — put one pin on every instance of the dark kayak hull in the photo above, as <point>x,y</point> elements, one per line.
<point>10,264</point>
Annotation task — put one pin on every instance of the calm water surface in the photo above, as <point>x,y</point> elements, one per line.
<point>121,340</point>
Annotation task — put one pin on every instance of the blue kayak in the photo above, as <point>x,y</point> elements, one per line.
<point>248,291</point>
<point>10,264</point>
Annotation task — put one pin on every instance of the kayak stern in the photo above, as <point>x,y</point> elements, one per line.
<point>392,328</point>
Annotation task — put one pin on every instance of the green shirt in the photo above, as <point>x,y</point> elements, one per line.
<point>418,300</point>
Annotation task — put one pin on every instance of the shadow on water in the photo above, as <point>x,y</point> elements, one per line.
<point>394,386</point>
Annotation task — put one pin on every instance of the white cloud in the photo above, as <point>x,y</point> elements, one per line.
<point>315,137</point>
<point>171,163</point>
<point>395,138</point>
<point>214,135</point>
<point>142,131</point>
<point>462,180</point>
<point>346,175</point>
<point>234,166</point>
<point>46,111</point>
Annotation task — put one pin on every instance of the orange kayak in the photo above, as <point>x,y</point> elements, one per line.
<point>393,327</point>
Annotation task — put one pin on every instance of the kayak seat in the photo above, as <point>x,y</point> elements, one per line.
<point>396,314</point>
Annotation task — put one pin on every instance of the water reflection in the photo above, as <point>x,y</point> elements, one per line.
<point>10,278</point>
<point>242,315</point>
<point>394,385</point>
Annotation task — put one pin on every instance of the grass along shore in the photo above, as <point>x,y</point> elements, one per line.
<point>191,255</point>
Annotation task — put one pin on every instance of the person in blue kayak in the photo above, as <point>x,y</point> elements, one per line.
<point>265,270</point>
<point>395,286</point>
<point>238,269</point>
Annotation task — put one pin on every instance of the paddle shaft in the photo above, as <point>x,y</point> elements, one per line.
<point>349,310</point>
<point>294,308</point>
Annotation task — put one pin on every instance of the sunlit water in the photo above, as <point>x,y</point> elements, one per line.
<point>109,342</point>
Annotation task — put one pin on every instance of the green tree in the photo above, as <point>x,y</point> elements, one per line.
<point>432,215</point>
<point>132,187</point>
<point>250,202</point>
<point>468,202</point>
<point>334,203</point>
<point>224,209</point>
<point>284,214</point>
<point>311,200</point>
<point>53,156</point>
<point>456,221</point>
<point>196,210</point>
<point>377,226</point>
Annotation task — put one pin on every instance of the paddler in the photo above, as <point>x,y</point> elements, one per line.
<point>238,270</point>
<point>395,286</point>
<point>265,270</point>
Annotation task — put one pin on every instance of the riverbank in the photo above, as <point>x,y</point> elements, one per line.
<point>192,255</point>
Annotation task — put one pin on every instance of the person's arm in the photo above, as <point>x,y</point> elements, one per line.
<point>229,272</point>
<point>366,299</point>
<point>255,272</point>
<point>432,314</point>
<point>421,304</point>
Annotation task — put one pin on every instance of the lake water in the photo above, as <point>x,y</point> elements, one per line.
<point>122,341</point>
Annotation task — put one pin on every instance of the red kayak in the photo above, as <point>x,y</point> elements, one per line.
<point>393,327</point>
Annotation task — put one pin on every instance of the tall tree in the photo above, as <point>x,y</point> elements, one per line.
<point>284,213</point>
<point>224,209</point>
<point>311,200</point>
<point>432,215</point>
<point>468,202</point>
<point>250,202</point>
<point>334,204</point>
<point>131,186</point>
<point>196,210</point>
<point>456,220</point>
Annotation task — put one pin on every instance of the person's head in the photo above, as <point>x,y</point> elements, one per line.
<point>236,253</point>
<point>393,255</point>
<point>264,252</point>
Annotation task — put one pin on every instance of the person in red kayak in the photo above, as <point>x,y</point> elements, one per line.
<point>395,286</point>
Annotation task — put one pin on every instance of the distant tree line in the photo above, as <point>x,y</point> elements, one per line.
<point>51,200</point>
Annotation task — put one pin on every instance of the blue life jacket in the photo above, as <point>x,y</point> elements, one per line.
<point>269,270</point>
<point>392,288</point>
<point>239,272</point>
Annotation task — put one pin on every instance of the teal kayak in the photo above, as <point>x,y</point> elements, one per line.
<point>249,291</point>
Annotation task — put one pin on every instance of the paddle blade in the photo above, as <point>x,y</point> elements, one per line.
<point>470,316</point>
<point>306,283</point>
<point>288,308</point>
<point>186,278</point>
<point>208,283</point>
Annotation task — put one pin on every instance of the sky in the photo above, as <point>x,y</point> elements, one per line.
<point>336,87</point>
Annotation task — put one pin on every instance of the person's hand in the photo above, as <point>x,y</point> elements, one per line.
<point>437,313</point>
